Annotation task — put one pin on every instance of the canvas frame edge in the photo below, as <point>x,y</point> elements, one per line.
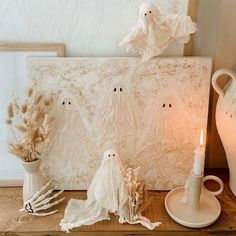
<point>59,48</point>
<point>192,12</point>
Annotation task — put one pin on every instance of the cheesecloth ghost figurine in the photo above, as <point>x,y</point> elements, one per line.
<point>70,147</point>
<point>106,194</point>
<point>155,31</point>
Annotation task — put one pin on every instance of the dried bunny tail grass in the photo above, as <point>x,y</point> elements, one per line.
<point>21,128</point>
<point>48,102</point>
<point>38,140</point>
<point>24,108</point>
<point>39,115</point>
<point>38,99</point>
<point>19,146</point>
<point>30,92</point>
<point>10,110</point>
<point>8,121</point>
<point>16,151</point>
<point>25,121</point>
<point>36,133</point>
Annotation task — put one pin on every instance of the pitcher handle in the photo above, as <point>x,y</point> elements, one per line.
<point>217,75</point>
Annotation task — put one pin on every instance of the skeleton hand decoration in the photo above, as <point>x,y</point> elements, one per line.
<point>42,201</point>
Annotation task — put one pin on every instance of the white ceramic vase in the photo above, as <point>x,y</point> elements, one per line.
<point>226,119</point>
<point>33,179</point>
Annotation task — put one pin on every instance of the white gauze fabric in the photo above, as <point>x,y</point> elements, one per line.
<point>106,194</point>
<point>155,31</point>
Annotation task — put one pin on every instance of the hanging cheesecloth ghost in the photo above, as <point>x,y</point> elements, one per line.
<point>106,194</point>
<point>155,31</point>
<point>69,149</point>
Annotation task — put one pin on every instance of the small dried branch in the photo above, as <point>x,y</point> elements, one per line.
<point>137,194</point>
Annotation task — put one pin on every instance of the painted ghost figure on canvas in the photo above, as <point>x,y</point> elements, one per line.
<point>167,139</point>
<point>154,31</point>
<point>116,118</point>
<point>106,194</point>
<point>70,147</point>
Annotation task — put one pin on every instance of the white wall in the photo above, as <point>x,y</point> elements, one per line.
<point>86,27</point>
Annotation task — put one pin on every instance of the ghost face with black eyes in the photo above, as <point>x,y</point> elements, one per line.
<point>118,89</point>
<point>148,13</point>
<point>167,105</point>
<point>110,154</point>
<point>66,103</point>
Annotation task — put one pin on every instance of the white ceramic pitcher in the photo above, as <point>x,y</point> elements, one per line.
<point>226,119</point>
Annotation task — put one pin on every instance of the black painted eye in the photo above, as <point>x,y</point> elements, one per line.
<point>121,89</point>
<point>170,105</point>
<point>69,103</point>
<point>113,155</point>
<point>145,14</point>
<point>164,105</point>
<point>150,11</point>
<point>109,155</point>
<point>114,89</point>
<point>63,103</point>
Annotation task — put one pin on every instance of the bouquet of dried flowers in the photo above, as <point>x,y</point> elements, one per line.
<point>32,120</point>
<point>137,194</point>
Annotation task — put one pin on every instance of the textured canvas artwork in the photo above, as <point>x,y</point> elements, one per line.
<point>151,113</point>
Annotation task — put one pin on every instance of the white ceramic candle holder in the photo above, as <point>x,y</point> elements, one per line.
<point>194,206</point>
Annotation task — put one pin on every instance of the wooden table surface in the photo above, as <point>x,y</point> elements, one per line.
<point>14,223</point>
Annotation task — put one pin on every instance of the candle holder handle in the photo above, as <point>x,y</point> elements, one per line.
<point>214,178</point>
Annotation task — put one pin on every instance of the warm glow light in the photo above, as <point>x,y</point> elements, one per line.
<point>201,138</point>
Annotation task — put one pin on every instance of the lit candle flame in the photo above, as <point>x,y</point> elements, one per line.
<point>201,138</point>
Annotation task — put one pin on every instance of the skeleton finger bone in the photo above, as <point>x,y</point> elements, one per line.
<point>43,196</point>
<point>44,214</point>
<point>45,207</point>
<point>37,194</point>
<point>47,200</point>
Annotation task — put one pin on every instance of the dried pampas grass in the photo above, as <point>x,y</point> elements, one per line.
<point>34,123</point>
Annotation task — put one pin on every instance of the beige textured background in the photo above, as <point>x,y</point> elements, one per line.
<point>216,38</point>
